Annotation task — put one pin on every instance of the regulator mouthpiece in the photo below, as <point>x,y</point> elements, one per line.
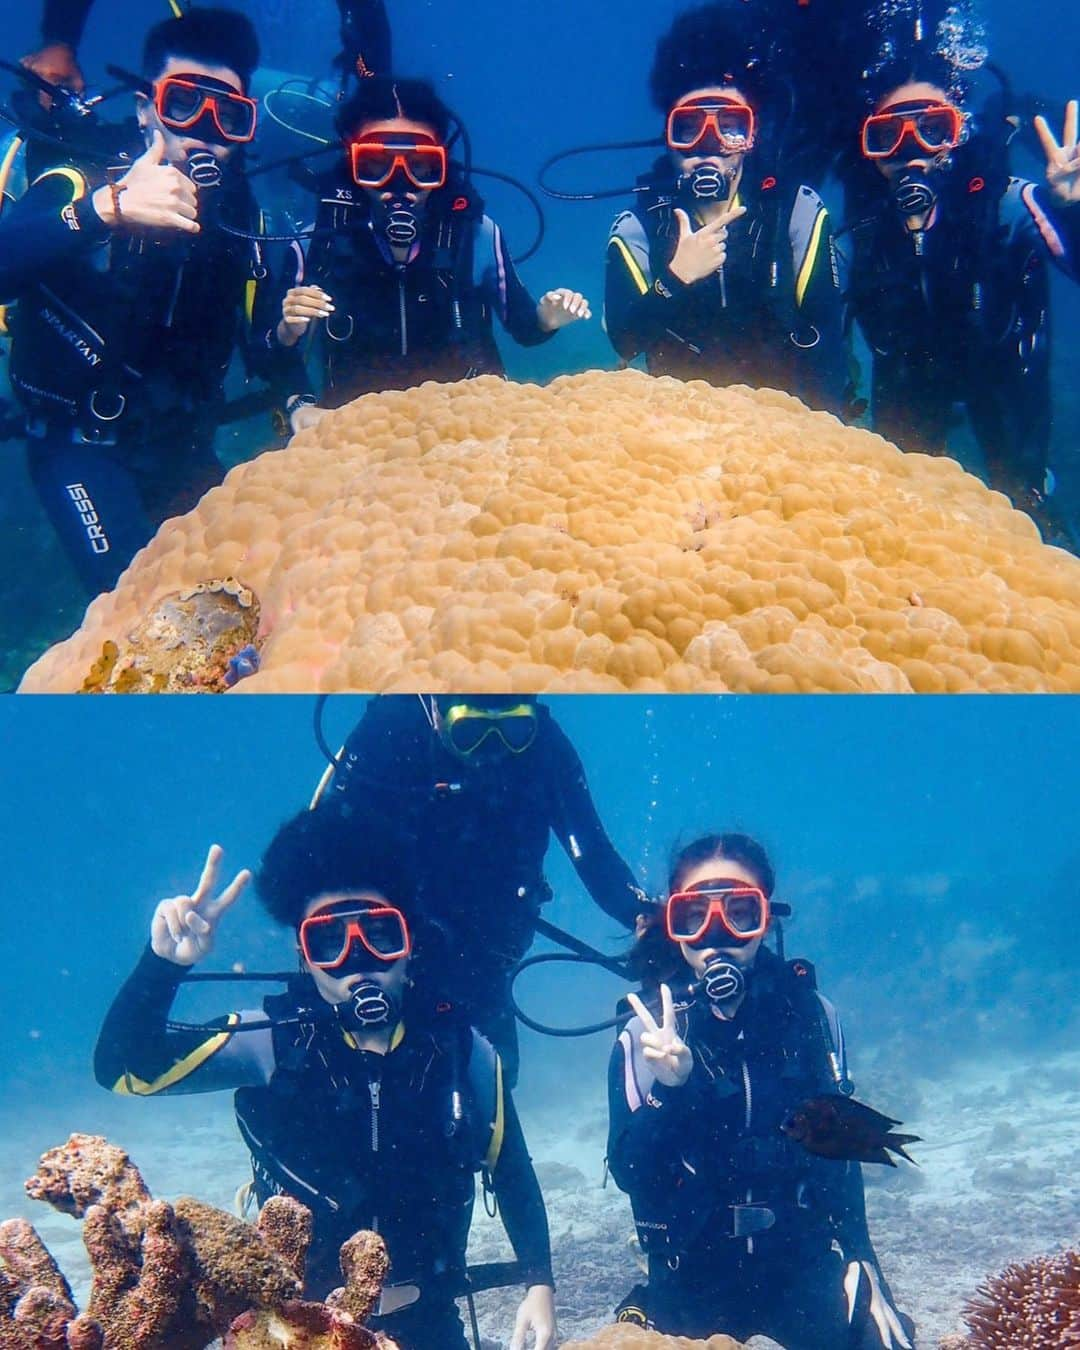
<point>203,169</point>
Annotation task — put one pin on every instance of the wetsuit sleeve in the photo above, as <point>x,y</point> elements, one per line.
<point>54,221</point>
<point>637,305</point>
<point>64,21</point>
<point>578,827</point>
<point>521,1203</point>
<point>504,290</point>
<point>1036,219</point>
<point>646,1120</point>
<point>138,1055</point>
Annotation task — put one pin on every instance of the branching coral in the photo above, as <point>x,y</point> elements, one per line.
<point>174,1277</point>
<point>1031,1304</point>
<point>610,531</point>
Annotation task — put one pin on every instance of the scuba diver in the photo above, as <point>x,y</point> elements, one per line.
<point>948,272</point>
<point>723,269</point>
<point>479,783</point>
<point>358,1092</point>
<point>133,296</point>
<point>748,1230</point>
<point>405,271</point>
<point>366,44</point>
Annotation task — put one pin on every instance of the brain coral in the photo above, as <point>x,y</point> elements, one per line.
<point>610,531</point>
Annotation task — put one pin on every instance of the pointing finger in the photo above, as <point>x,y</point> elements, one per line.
<point>647,1019</point>
<point>732,214</point>
<point>208,880</point>
<point>1068,138</point>
<point>1051,149</point>
<point>668,1005</point>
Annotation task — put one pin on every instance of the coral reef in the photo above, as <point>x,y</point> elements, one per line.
<point>629,1337</point>
<point>197,641</point>
<point>1034,1304</point>
<point>174,1277</point>
<point>609,531</point>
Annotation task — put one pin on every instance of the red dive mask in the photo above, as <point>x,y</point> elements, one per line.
<point>710,124</point>
<point>719,912</point>
<point>376,159</point>
<point>205,109</point>
<point>328,935</point>
<point>932,127</point>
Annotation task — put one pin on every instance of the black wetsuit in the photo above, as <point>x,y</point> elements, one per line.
<point>397,324</point>
<point>364,1140</point>
<point>746,1232</point>
<point>957,318</point>
<point>480,836</point>
<point>771,316</point>
<point>120,346</point>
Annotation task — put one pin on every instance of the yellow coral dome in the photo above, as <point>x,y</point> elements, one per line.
<point>610,531</point>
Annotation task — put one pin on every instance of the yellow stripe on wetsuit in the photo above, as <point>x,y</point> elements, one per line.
<point>498,1125</point>
<point>631,264</point>
<point>74,177</point>
<point>127,1085</point>
<point>806,271</point>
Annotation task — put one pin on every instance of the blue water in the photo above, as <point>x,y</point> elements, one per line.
<point>896,827</point>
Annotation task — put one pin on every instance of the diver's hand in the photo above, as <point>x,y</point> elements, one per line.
<point>861,1275</point>
<point>302,304</point>
<point>1062,161</point>
<point>700,253</point>
<point>183,927</point>
<point>56,63</point>
<point>562,307</point>
<point>667,1053</point>
<point>536,1313</point>
<point>154,195</point>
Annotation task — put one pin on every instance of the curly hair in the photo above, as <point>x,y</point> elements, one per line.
<point>323,851</point>
<point>711,46</point>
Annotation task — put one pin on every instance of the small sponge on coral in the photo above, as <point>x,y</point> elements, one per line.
<point>608,532</point>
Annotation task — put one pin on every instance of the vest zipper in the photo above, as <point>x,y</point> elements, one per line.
<point>401,315</point>
<point>375,1091</point>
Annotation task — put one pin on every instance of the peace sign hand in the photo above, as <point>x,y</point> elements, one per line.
<point>1062,161</point>
<point>667,1053</point>
<point>183,927</point>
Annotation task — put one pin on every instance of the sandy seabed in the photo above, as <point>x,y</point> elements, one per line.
<point>997,1183</point>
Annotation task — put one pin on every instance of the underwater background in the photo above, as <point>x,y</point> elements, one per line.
<point>928,849</point>
<point>529,78</point>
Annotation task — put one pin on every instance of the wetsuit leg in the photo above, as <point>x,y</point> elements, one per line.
<point>92,499</point>
<point>813,1315</point>
<point>427,1325</point>
<point>1010,414</point>
<point>911,410</point>
<point>173,477</point>
<point>365,37</point>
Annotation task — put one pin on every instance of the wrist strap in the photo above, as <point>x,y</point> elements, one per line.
<point>115,192</point>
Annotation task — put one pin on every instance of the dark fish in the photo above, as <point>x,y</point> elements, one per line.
<point>840,1127</point>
